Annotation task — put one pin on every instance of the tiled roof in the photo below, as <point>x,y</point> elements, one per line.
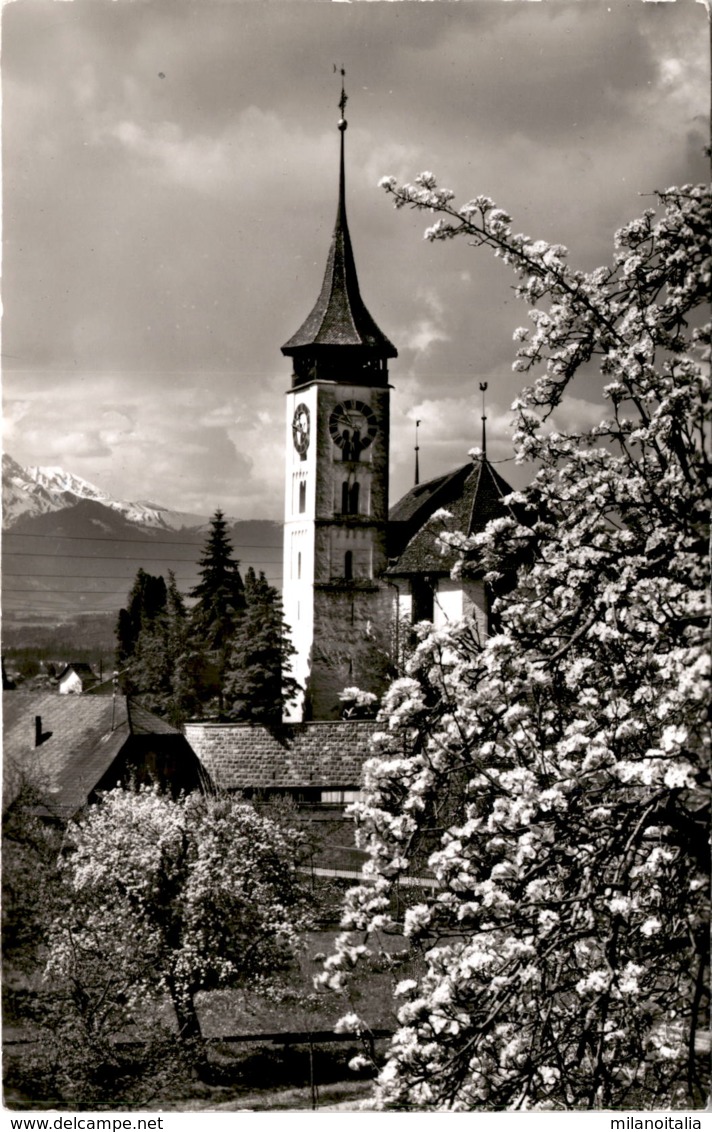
<point>243,756</point>
<point>81,736</point>
<point>408,515</point>
<point>424,496</point>
<point>471,494</point>
<point>143,722</point>
<point>339,317</point>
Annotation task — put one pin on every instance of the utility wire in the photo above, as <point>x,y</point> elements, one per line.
<point>85,577</point>
<point>133,557</point>
<point>107,558</point>
<point>69,593</point>
<point>119,538</point>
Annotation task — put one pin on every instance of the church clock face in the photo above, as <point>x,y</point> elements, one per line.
<point>353,426</point>
<point>300,429</point>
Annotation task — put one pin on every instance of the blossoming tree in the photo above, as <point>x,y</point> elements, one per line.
<point>552,780</point>
<point>167,899</point>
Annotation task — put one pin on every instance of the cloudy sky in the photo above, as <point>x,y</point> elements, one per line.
<point>170,176</point>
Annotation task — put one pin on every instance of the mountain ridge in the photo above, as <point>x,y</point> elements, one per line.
<point>64,554</point>
<point>38,489</point>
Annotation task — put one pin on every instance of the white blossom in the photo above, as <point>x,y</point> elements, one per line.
<point>551,780</point>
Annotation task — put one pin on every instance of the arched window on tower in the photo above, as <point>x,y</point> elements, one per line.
<point>349,565</point>
<point>299,564</point>
<point>349,498</point>
<point>302,496</point>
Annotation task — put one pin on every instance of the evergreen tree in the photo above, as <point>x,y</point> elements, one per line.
<point>232,647</point>
<point>220,597</point>
<point>167,668</point>
<point>220,593</point>
<point>257,684</point>
<point>149,674</point>
<point>187,658</point>
<point>146,601</point>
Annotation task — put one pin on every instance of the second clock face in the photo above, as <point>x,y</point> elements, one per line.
<point>353,426</point>
<point>300,429</point>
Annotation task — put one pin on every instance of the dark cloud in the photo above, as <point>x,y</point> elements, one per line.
<point>164,236</point>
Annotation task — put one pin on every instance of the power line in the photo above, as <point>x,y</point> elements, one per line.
<point>120,538</point>
<point>54,560</point>
<point>118,557</point>
<point>71,593</point>
<point>82,577</point>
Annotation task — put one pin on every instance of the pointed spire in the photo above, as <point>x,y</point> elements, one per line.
<point>417,450</point>
<point>343,126</point>
<point>340,318</point>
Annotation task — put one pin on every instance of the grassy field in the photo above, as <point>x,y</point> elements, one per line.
<point>256,1075</point>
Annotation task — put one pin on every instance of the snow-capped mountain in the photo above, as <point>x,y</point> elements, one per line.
<point>69,548</point>
<point>55,479</point>
<point>31,491</point>
<point>21,496</point>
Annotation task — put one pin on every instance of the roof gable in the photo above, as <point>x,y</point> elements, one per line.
<point>66,744</point>
<point>472,495</point>
<point>78,667</point>
<point>81,672</point>
<point>419,503</point>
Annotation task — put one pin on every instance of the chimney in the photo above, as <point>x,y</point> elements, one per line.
<point>40,735</point>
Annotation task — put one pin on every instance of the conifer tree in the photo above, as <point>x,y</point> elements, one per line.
<point>146,601</point>
<point>220,592</point>
<point>231,647</point>
<point>167,668</point>
<point>220,597</point>
<point>150,670</point>
<point>187,658</point>
<point>257,682</point>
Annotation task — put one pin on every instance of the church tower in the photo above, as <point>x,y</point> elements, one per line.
<point>336,496</point>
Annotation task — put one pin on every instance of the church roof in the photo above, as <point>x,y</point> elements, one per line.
<point>339,317</point>
<point>471,494</point>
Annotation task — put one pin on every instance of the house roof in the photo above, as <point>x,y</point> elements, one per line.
<point>339,317</point>
<point>80,668</point>
<point>80,737</point>
<point>471,494</point>
<point>243,756</point>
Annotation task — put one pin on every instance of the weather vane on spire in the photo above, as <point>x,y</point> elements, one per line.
<point>483,387</point>
<point>344,97</point>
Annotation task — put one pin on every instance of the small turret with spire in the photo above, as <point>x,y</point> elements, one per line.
<point>339,340</point>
